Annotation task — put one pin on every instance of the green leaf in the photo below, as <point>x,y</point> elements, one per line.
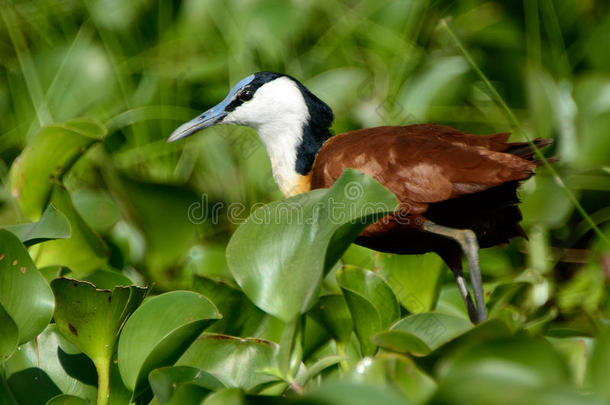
<point>91,318</point>
<point>331,312</point>
<point>350,393</point>
<point>48,157</point>
<point>50,364</point>
<point>300,238</point>
<point>67,400</point>
<point>420,334</point>
<point>160,331</point>
<point>239,316</point>
<point>414,279</point>
<point>167,381</point>
<point>371,302</point>
<point>83,252</point>
<point>31,312</point>
<point>391,370</point>
<point>236,362</point>
<point>599,369</point>
<point>511,370</point>
<point>9,335</point>
<point>107,279</point>
<point>51,225</point>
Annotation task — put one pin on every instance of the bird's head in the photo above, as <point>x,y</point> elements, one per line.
<point>292,123</point>
<point>263,99</point>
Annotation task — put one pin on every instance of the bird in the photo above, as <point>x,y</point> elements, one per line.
<point>457,191</point>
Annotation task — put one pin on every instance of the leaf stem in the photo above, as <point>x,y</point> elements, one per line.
<point>341,346</point>
<point>102,365</point>
<point>515,123</point>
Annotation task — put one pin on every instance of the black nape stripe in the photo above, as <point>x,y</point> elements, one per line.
<point>315,131</point>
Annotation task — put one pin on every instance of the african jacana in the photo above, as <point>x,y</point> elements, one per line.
<point>457,191</point>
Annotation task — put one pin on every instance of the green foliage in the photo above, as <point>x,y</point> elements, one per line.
<point>248,304</point>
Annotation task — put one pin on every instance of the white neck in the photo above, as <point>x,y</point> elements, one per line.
<point>281,139</point>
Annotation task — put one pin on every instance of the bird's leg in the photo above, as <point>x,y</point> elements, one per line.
<point>468,242</point>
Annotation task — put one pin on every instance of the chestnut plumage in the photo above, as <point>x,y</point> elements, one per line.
<point>457,191</point>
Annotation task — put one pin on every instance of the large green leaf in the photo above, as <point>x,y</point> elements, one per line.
<point>52,359</point>
<point>47,157</point>
<point>84,251</point>
<point>30,311</point>
<point>9,335</point>
<point>51,225</point>
<point>279,255</point>
<point>91,318</point>
<point>420,334</point>
<point>371,303</point>
<point>159,332</point>
<point>414,279</point>
<point>236,362</point>
<point>509,370</point>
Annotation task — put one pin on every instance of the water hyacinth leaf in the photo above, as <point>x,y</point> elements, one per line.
<point>46,158</point>
<point>515,358</point>
<point>45,363</point>
<point>395,371</point>
<point>91,319</point>
<point>159,332</point>
<point>346,392</point>
<point>9,335</point>
<point>84,251</point>
<point>414,279</point>
<point>331,312</point>
<point>51,225</point>
<point>166,381</point>
<point>67,400</point>
<point>300,238</point>
<point>527,368</point>
<point>31,312</point>
<point>599,369</point>
<point>236,362</point>
<point>420,334</point>
<point>239,316</point>
<point>107,279</point>
<point>371,302</point>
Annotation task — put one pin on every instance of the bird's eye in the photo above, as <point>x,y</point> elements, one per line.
<point>245,95</point>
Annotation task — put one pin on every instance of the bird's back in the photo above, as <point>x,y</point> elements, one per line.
<point>438,173</point>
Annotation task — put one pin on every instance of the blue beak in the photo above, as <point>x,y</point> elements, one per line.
<point>207,119</point>
<point>210,117</point>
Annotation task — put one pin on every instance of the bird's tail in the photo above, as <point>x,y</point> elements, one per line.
<point>524,150</point>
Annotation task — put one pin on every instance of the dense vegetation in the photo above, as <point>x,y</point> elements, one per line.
<point>128,270</point>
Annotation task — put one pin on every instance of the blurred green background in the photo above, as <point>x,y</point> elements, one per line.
<point>142,67</point>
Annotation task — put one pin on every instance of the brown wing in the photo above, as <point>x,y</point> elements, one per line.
<point>421,164</point>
